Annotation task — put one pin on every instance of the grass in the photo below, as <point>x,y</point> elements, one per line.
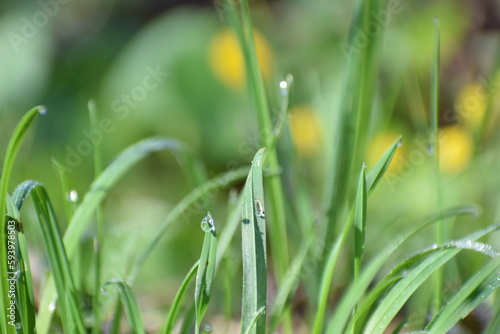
<point>353,288</point>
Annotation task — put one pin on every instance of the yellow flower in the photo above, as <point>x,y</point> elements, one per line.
<point>471,104</point>
<point>380,144</point>
<point>306,130</point>
<point>455,148</point>
<point>227,62</point>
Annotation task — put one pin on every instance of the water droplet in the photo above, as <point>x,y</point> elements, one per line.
<point>42,110</point>
<point>259,210</point>
<point>364,164</point>
<point>400,142</point>
<point>72,196</point>
<point>207,224</point>
<point>52,306</point>
<point>208,328</point>
<point>18,325</point>
<point>103,291</point>
<point>284,88</point>
<point>430,149</point>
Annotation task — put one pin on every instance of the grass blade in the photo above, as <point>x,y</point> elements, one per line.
<point>59,264</point>
<point>91,201</point>
<point>206,269</point>
<point>179,297</point>
<point>399,294</point>
<point>373,178</point>
<point>10,155</point>
<point>474,292</point>
<point>360,223</point>
<point>356,290</point>
<point>130,304</point>
<point>253,232</point>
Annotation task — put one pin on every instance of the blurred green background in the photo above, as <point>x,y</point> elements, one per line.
<point>171,68</point>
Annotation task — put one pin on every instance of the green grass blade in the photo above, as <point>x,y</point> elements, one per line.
<point>179,297</point>
<point>441,233</point>
<point>255,319</point>
<point>130,304</point>
<point>474,292</point>
<point>239,15</point>
<point>206,269</point>
<point>358,289</point>
<point>373,178</point>
<point>253,232</point>
<point>433,259</point>
<point>59,264</point>
<point>98,190</point>
<point>382,164</point>
<point>10,155</point>
<point>360,223</point>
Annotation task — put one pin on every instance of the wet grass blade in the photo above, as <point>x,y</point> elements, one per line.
<point>253,232</point>
<point>179,297</point>
<point>473,293</point>
<point>429,261</point>
<point>255,319</point>
<point>206,269</point>
<point>130,304</point>
<point>359,288</point>
<point>10,156</point>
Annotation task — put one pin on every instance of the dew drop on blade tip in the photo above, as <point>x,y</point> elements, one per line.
<point>208,224</point>
<point>72,196</point>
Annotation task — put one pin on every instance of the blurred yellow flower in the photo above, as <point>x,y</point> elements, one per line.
<point>377,147</point>
<point>306,130</point>
<point>227,62</point>
<point>471,104</point>
<point>455,148</point>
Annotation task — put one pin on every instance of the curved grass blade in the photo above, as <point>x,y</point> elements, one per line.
<point>253,234</point>
<point>358,289</point>
<point>10,155</point>
<point>255,319</point>
<point>130,304</point>
<point>206,270</point>
<point>433,260</point>
<point>473,293</point>
<point>374,176</point>
<point>91,201</point>
<point>71,314</point>
<point>179,297</point>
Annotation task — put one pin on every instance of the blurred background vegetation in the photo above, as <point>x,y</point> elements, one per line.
<point>172,68</point>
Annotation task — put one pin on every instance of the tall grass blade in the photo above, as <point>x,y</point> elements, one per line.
<point>179,297</point>
<point>253,234</point>
<point>10,155</point>
<point>206,269</point>
<point>130,304</point>
<point>434,109</point>
<point>372,179</point>
<point>360,223</point>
